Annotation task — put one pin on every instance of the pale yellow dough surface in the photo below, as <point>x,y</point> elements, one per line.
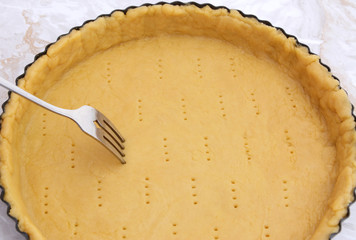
<point>223,141</point>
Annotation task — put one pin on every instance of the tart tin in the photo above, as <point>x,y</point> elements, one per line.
<point>176,3</point>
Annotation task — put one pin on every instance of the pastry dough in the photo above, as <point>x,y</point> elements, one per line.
<point>233,132</point>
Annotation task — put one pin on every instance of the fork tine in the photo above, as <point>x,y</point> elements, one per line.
<point>105,121</point>
<point>110,129</point>
<point>114,148</point>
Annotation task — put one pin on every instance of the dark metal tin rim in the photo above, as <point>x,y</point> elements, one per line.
<point>176,3</point>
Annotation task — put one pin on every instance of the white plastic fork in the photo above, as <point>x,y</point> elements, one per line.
<point>90,120</point>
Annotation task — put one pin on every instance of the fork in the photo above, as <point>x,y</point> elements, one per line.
<point>90,120</point>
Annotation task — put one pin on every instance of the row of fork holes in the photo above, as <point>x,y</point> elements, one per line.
<point>289,142</point>
<point>99,188</point>
<point>247,148</point>
<point>140,118</point>
<point>45,204</point>
<point>160,69</point>
<point>285,193</point>
<point>207,149</point>
<point>44,127</point>
<point>234,193</point>
<point>194,190</point>
<point>165,149</point>
<point>222,108</point>
<point>72,155</point>
<point>291,99</point>
<point>147,190</point>
<point>255,105</point>
<point>108,72</point>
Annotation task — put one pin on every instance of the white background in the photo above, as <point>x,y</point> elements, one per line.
<point>327,26</point>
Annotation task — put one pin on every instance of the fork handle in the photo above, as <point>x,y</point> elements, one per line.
<point>12,87</point>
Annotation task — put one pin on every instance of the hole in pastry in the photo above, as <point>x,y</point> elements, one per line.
<point>287,205</point>
<point>232,182</point>
<point>123,236</point>
<point>147,178</point>
<point>100,205</point>
<point>266,227</point>
<point>193,179</point>
<point>234,198</point>
<point>174,233</point>
<point>208,159</point>
<point>267,235</point>
<point>46,212</point>
<point>235,206</point>
<point>167,159</point>
<point>124,228</point>
<point>216,237</point>
<point>147,194</point>
<point>216,229</point>
<point>233,190</point>
<point>195,203</point>
<point>148,202</point>
<point>46,204</point>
